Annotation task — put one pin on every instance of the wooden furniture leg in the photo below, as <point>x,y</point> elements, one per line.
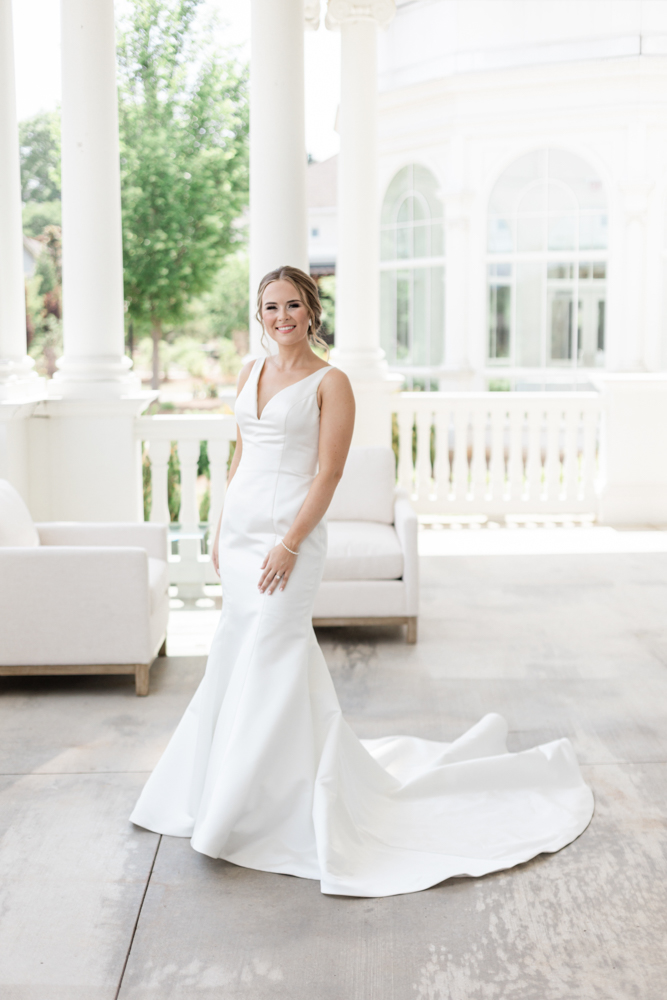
<point>412,630</point>
<point>163,648</point>
<point>141,678</point>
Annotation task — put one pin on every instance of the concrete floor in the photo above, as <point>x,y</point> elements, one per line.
<point>92,908</point>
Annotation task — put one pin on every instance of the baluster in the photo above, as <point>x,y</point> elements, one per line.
<point>218,454</point>
<point>534,459</point>
<point>191,578</point>
<point>552,462</point>
<point>498,453</point>
<point>188,456</point>
<point>159,452</point>
<point>478,465</point>
<point>460,465</point>
<point>515,462</point>
<point>589,457</point>
<point>441,470</point>
<point>405,422</point>
<point>423,465</point>
<point>570,459</point>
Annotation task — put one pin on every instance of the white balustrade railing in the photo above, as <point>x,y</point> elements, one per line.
<point>498,452</point>
<point>190,568</point>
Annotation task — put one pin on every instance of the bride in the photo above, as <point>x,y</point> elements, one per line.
<point>263,770</point>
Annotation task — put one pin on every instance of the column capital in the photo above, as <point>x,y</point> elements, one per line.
<point>341,12</point>
<point>311,14</point>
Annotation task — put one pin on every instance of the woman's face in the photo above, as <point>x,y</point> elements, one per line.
<point>284,314</point>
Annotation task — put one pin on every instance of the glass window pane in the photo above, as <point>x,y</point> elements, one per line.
<point>584,272</point>
<point>421,243</point>
<point>559,272</point>
<point>403,242</point>
<point>562,232</point>
<point>599,271</point>
<point>404,214</point>
<point>601,313</point>
<point>388,244</point>
<point>591,331</point>
<point>579,176</point>
<point>420,316</point>
<point>396,191</point>
<point>437,315</point>
<point>512,183</point>
<point>420,210</point>
<point>592,232</point>
<point>403,317</point>
<point>530,233</point>
<point>559,324</point>
<point>529,296</point>
<point>501,239</point>
<point>500,300</point>
<point>388,314</point>
<point>561,198</point>
<point>534,199</point>
<point>427,185</point>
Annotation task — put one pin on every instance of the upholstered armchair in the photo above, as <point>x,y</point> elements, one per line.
<point>371,575</point>
<point>80,598</point>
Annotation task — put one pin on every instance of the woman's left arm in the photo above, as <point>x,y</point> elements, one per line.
<point>336,426</point>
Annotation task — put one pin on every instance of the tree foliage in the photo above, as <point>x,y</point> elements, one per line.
<point>39,144</point>
<point>183,126</point>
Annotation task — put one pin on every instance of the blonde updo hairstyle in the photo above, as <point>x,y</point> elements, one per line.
<point>308,291</point>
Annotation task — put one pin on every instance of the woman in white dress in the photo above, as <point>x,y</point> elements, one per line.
<point>263,770</point>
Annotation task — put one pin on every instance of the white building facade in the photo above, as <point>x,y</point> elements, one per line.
<point>523,184</point>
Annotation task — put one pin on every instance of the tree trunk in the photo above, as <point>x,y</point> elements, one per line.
<point>156,334</point>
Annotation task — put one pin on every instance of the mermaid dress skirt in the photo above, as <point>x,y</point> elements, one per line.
<point>264,772</point>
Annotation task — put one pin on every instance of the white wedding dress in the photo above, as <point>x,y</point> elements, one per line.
<point>263,770</point>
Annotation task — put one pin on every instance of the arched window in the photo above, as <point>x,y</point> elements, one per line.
<point>412,276</point>
<point>547,241</point>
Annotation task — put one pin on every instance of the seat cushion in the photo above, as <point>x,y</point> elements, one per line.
<point>363,550</point>
<point>158,582</point>
<point>366,489</point>
<point>16,524</point>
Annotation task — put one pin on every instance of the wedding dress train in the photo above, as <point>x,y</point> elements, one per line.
<point>263,770</point>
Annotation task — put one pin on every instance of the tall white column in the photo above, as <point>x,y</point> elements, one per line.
<point>357,349</point>
<point>16,376</point>
<point>278,214</point>
<point>94,360</point>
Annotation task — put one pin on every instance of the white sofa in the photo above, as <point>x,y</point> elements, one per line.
<point>371,575</point>
<point>80,598</point>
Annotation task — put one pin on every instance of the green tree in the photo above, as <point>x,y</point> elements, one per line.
<point>39,144</point>
<point>184,163</point>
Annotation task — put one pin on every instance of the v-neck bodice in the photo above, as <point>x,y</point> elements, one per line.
<point>259,367</point>
<point>286,435</point>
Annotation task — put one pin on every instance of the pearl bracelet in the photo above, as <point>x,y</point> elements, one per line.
<point>291,552</point>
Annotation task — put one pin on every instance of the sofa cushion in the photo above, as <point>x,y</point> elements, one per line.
<point>16,524</point>
<point>366,489</point>
<point>363,550</point>
<point>158,582</point>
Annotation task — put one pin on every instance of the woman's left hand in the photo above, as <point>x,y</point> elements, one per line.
<point>276,569</point>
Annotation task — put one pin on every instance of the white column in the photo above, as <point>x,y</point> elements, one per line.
<point>16,377</point>
<point>631,350</point>
<point>91,457</point>
<point>278,215</point>
<point>357,349</point>
<point>94,360</point>
<point>633,452</point>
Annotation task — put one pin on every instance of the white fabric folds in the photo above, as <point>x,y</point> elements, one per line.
<point>263,770</point>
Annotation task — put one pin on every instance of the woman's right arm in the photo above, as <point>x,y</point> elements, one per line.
<point>238,451</point>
